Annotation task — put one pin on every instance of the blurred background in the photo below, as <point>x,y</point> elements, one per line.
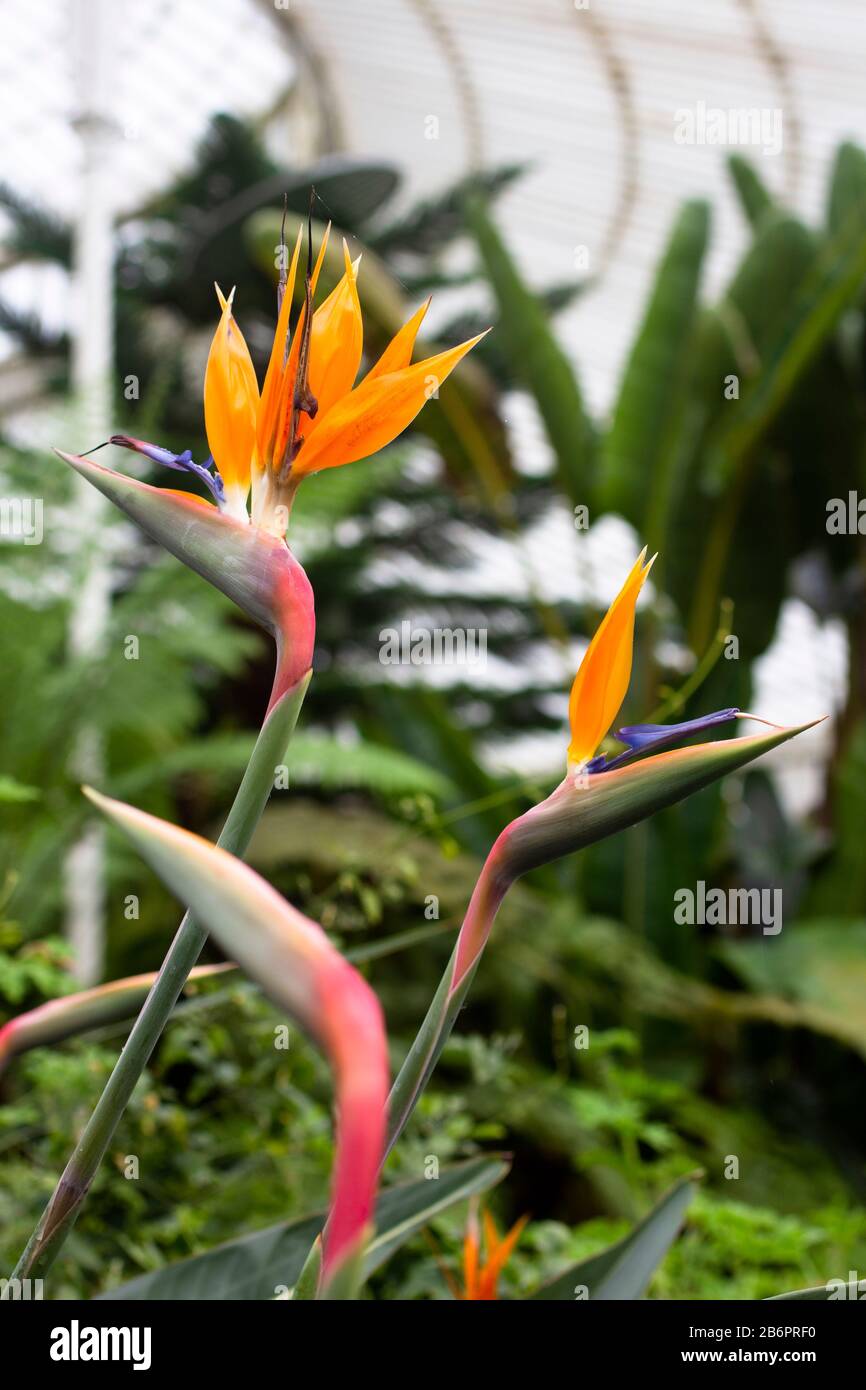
<point>662,212</point>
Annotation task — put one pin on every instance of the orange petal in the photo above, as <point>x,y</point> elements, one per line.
<point>269,407</point>
<point>231,398</point>
<point>375,413</point>
<point>602,681</point>
<point>336,344</point>
<point>287,384</point>
<point>398,353</point>
<point>498,1253</point>
<point>491,1235</point>
<point>292,363</point>
<point>470,1263</point>
<point>503,1248</point>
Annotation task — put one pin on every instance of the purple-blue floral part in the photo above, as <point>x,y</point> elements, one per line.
<point>641,738</point>
<point>183,463</point>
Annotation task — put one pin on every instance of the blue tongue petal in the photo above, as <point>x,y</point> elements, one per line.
<point>182,462</point>
<point>640,738</point>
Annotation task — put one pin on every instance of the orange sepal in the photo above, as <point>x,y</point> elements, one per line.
<point>497,1254</point>
<point>336,344</point>
<point>287,382</point>
<point>231,399</point>
<point>470,1260</point>
<point>376,412</point>
<point>398,353</point>
<point>603,676</point>
<point>269,407</point>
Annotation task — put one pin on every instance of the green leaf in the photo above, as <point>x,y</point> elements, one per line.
<point>536,358</point>
<point>847,192</point>
<point>754,197</point>
<point>640,449</point>
<point>256,1266</point>
<point>757,302</point>
<point>624,1270</point>
<point>309,1280</point>
<point>833,284</point>
<point>725,538</point>
<point>351,189</point>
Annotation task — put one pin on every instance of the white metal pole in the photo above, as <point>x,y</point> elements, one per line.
<point>92,354</point>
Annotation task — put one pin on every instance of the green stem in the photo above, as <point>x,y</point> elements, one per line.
<point>425,1051</point>
<point>493,883</point>
<point>69,1195</point>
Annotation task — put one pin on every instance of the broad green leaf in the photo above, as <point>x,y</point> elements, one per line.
<point>757,302</point>
<point>833,284</point>
<point>351,189</point>
<point>847,192</point>
<point>259,1265</point>
<point>731,343</point>
<point>624,1270</point>
<point>754,197</point>
<point>640,450</point>
<point>536,358</point>
<point>309,1280</point>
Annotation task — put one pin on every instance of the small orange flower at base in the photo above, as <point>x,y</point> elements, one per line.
<point>481,1277</point>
